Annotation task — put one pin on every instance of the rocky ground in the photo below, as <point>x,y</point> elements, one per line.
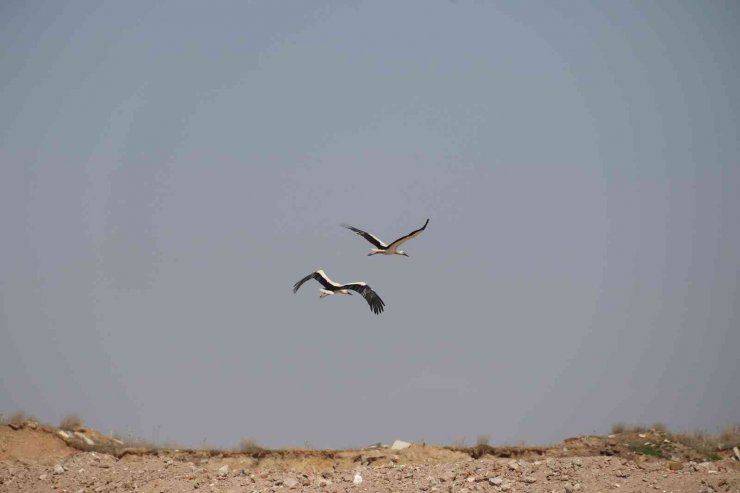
<point>42,460</point>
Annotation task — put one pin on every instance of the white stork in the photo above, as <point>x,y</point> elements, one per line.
<point>383,249</point>
<point>330,287</point>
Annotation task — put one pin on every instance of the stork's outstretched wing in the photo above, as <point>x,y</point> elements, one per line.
<point>371,238</point>
<point>406,238</point>
<point>320,276</point>
<point>376,304</point>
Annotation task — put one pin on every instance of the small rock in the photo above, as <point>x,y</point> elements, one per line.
<point>737,453</point>
<point>63,434</point>
<point>14,426</point>
<point>675,466</point>
<point>42,477</point>
<point>497,481</point>
<point>641,435</point>
<point>513,466</point>
<point>568,488</point>
<point>529,479</point>
<point>290,482</point>
<point>58,469</point>
<point>357,479</point>
<point>400,445</point>
<point>32,424</point>
<point>223,471</point>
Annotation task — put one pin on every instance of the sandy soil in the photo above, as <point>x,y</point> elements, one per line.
<point>43,461</point>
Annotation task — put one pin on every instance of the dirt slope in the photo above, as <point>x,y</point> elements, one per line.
<point>41,459</point>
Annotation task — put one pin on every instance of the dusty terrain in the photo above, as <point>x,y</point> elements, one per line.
<point>37,458</point>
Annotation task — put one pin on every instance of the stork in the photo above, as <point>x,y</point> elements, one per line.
<point>331,287</point>
<point>383,249</point>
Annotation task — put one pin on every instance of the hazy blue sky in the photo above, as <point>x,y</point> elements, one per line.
<point>168,170</point>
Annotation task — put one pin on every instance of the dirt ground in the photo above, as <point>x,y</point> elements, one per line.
<point>41,459</point>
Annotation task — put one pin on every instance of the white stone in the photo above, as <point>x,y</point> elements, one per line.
<point>58,469</point>
<point>85,438</point>
<point>63,434</point>
<point>497,481</point>
<point>357,479</point>
<point>400,445</point>
<point>223,470</point>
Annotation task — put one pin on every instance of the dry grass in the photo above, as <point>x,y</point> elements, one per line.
<point>71,422</point>
<point>708,444</point>
<point>625,428</point>
<point>699,443</point>
<point>18,418</point>
<point>730,436</point>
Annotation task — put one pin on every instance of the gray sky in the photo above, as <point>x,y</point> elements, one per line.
<point>168,170</point>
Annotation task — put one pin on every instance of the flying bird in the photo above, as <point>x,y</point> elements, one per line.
<point>330,287</point>
<point>383,249</point>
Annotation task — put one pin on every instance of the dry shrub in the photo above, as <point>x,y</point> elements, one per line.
<point>660,427</point>
<point>699,440</point>
<point>618,428</point>
<point>624,428</point>
<point>730,437</point>
<point>483,440</point>
<point>18,418</point>
<point>249,446</point>
<point>708,445</point>
<point>71,422</point>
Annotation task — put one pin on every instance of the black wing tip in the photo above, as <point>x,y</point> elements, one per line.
<point>377,308</point>
<point>425,224</point>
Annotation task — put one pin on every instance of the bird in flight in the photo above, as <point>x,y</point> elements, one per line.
<point>331,287</point>
<point>383,249</point>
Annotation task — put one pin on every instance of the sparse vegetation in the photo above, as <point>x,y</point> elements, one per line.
<point>708,445</point>
<point>71,422</point>
<point>249,446</point>
<point>18,418</point>
<point>647,449</point>
<point>730,437</point>
<point>625,428</point>
<point>483,440</point>
<point>618,428</point>
<point>698,444</point>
